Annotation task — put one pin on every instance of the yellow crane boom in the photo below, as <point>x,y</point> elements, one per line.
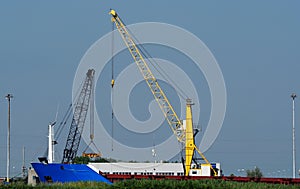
<point>185,135</point>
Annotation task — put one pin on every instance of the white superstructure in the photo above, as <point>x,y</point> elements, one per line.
<point>166,169</point>
<point>50,144</point>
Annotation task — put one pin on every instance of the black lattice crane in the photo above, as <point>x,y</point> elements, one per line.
<point>81,107</point>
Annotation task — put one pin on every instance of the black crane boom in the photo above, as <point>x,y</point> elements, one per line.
<point>80,112</point>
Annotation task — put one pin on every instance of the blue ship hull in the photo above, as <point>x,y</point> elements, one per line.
<point>57,172</point>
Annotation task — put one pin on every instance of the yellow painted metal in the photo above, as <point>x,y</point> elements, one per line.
<point>91,155</point>
<point>189,137</point>
<point>112,83</point>
<point>185,135</point>
<point>164,104</point>
<point>113,12</point>
<point>203,157</point>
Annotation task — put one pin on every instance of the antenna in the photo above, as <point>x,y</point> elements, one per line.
<point>56,112</point>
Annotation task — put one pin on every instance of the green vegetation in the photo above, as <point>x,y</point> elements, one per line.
<point>81,160</point>
<point>153,184</point>
<point>86,160</point>
<point>255,173</point>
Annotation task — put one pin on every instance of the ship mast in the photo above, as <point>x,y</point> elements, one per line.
<point>51,142</point>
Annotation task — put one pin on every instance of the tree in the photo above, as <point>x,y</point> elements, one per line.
<point>86,160</point>
<point>81,160</point>
<point>255,173</point>
<point>99,160</point>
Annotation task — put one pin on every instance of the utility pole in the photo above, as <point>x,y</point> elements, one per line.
<point>8,97</point>
<point>294,149</point>
<point>23,166</point>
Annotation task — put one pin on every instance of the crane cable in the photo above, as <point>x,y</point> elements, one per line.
<point>67,115</point>
<point>63,122</point>
<point>92,124</point>
<point>112,87</point>
<point>157,67</point>
<point>163,74</point>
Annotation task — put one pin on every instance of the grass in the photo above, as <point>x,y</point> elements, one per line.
<point>154,184</point>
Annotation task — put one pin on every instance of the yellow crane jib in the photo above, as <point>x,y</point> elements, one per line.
<point>183,134</point>
<point>164,104</point>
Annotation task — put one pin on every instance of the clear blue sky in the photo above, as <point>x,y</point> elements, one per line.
<point>256,44</point>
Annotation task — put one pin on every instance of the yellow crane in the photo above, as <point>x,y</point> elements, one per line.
<point>184,134</point>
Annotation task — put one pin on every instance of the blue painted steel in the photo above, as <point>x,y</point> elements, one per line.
<point>57,172</point>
